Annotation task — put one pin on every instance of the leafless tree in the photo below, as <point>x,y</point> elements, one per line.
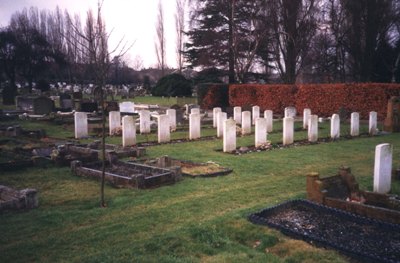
<point>160,44</point>
<point>137,63</point>
<point>180,32</point>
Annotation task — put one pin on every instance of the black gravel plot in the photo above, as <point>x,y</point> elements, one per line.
<point>364,239</point>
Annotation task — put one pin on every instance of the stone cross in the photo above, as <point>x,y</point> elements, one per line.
<point>172,119</point>
<point>221,118</point>
<point>288,130</point>
<point>215,116</point>
<point>237,114</point>
<point>114,118</point>
<point>335,126</point>
<point>144,121</point>
<point>246,122</point>
<point>255,113</point>
<point>313,128</point>
<point>373,118</point>
<point>163,129</point>
<point>128,131</point>
<point>306,116</point>
<point>383,168</point>
<point>229,140</point>
<point>355,124</point>
<point>268,115</point>
<point>81,125</point>
<point>260,131</point>
<point>194,126</point>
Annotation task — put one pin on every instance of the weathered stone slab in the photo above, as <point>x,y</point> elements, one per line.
<point>246,122</point>
<point>229,140</point>
<point>215,116</point>
<point>260,131</point>
<point>237,114</point>
<point>268,115</point>
<point>383,168</point>
<point>255,113</point>
<point>144,121</point>
<point>194,126</point>
<point>313,128</point>
<point>128,131</point>
<point>81,125</point>
<point>172,119</point>
<point>221,118</point>
<point>306,116</point>
<point>335,126</point>
<point>288,130</point>
<point>355,124</point>
<point>373,120</point>
<point>163,129</point>
<point>114,118</point>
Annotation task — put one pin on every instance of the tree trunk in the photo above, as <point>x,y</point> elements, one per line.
<point>103,148</point>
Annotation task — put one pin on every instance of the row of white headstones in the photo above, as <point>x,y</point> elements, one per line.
<point>226,128</point>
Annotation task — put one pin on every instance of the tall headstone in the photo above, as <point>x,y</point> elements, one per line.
<point>237,114</point>
<point>306,116</point>
<point>81,125</point>
<point>246,122</point>
<point>290,112</point>
<point>229,141</point>
<point>373,119</point>
<point>172,119</point>
<point>383,168</point>
<point>255,113</point>
<point>355,124</point>
<point>260,131</point>
<point>335,126</point>
<point>221,118</point>
<point>144,121</point>
<point>313,128</point>
<point>288,130</point>
<point>194,126</point>
<point>128,131</point>
<point>114,119</point>
<point>215,116</point>
<point>163,129</point>
<point>268,115</point>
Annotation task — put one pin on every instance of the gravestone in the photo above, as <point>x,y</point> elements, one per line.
<point>127,107</point>
<point>373,118</point>
<point>43,105</point>
<point>355,124</point>
<point>81,125</point>
<point>383,168</point>
<point>313,128</point>
<point>189,107</point>
<point>221,118</point>
<point>392,120</point>
<point>260,131</point>
<point>306,116</point>
<point>255,113</point>
<point>114,118</point>
<point>172,119</point>
<point>132,93</point>
<point>268,115</point>
<point>163,129</point>
<point>237,114</point>
<point>144,121</point>
<point>215,113</point>
<point>128,131</point>
<point>194,126</point>
<point>97,93</point>
<point>288,130</point>
<point>229,140</point>
<point>290,112</point>
<point>66,104</point>
<point>195,111</point>
<point>246,122</point>
<point>335,126</point>
<point>88,106</point>
<point>24,103</point>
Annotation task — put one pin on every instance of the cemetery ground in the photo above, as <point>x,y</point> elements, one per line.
<point>194,220</point>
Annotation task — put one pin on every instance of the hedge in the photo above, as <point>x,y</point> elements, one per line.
<point>322,99</point>
<point>212,95</point>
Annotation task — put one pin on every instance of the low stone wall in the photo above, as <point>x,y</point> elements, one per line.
<point>11,199</point>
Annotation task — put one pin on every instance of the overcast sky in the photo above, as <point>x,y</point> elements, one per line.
<point>134,20</point>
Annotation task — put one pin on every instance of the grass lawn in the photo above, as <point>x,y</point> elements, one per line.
<point>195,220</point>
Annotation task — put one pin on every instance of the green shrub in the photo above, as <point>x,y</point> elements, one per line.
<point>173,85</point>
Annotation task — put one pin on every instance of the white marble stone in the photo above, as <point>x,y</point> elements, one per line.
<point>288,130</point>
<point>260,131</point>
<point>114,119</point>
<point>313,128</point>
<point>195,111</point>
<point>246,122</point>
<point>383,168</point>
<point>163,129</point>
<point>128,131</point>
<point>127,106</point>
<point>290,112</point>
<point>144,121</point>
<point>255,113</point>
<point>373,120</point>
<point>215,116</point>
<point>229,141</point>
<point>221,118</point>
<point>268,115</point>
<point>81,125</point>
<point>172,119</point>
<point>335,126</point>
<point>355,124</point>
<point>306,116</point>
<point>237,114</point>
<point>194,126</point>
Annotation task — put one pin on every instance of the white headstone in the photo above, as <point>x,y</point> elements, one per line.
<point>335,126</point>
<point>383,168</point>
<point>144,120</point>
<point>260,132</point>
<point>290,112</point>
<point>163,129</point>
<point>229,141</point>
<point>373,118</point>
<point>306,116</point>
<point>128,131</point>
<point>194,126</point>
<point>81,125</point>
<point>246,122</point>
<point>127,106</point>
<point>268,115</point>
<point>114,119</point>
<point>195,111</point>
<point>237,114</point>
<point>255,113</point>
<point>313,128</point>
<point>215,116</point>
<point>355,124</point>
<point>172,119</point>
<point>288,130</point>
<point>221,118</point>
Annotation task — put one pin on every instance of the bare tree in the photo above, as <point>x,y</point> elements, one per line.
<point>180,32</point>
<point>160,44</point>
<point>137,63</point>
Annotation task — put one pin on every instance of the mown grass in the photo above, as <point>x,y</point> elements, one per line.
<point>195,220</point>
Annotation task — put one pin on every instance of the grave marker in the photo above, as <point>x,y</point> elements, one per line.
<point>335,126</point>
<point>114,118</point>
<point>237,114</point>
<point>81,125</point>
<point>246,122</point>
<point>194,126</point>
<point>306,116</point>
<point>373,123</point>
<point>268,115</point>
<point>229,141</point>
<point>172,119</point>
<point>355,124</point>
<point>260,131</point>
<point>288,130</point>
<point>215,116</point>
<point>255,113</point>
<point>128,131</point>
<point>144,121</point>
<point>163,129</point>
<point>383,168</point>
<point>313,128</point>
<point>221,118</point>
